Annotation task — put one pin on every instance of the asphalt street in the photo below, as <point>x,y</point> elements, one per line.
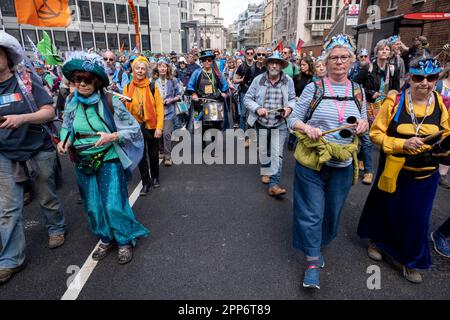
<point>215,234</point>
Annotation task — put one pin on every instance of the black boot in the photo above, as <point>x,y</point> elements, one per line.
<point>145,189</point>
<point>155,182</point>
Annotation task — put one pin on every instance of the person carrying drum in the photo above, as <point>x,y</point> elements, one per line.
<point>207,83</point>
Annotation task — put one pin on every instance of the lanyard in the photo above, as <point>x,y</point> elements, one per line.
<point>340,110</point>
<point>211,79</point>
<point>413,115</point>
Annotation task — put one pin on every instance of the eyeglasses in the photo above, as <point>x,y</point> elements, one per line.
<point>335,59</point>
<point>108,59</point>
<point>261,54</point>
<point>419,78</point>
<point>249,53</point>
<point>86,80</point>
<point>285,52</point>
<point>363,56</point>
<point>208,60</point>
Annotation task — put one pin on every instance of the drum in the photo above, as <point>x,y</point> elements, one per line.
<point>213,111</point>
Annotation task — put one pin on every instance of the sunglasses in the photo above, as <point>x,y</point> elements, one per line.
<point>363,56</point>
<point>207,60</point>
<point>108,59</point>
<point>86,80</point>
<point>261,54</point>
<point>419,78</point>
<point>249,53</point>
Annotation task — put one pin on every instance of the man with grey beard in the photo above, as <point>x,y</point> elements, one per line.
<point>270,100</point>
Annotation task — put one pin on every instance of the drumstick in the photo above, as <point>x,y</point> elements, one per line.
<point>432,136</point>
<point>340,128</point>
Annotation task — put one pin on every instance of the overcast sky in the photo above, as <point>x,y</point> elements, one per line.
<point>230,9</point>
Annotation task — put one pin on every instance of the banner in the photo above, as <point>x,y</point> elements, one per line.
<point>136,23</point>
<point>43,13</point>
<point>48,50</point>
<point>279,46</point>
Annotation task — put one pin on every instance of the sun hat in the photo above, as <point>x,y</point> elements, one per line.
<point>276,57</point>
<point>12,47</point>
<point>88,62</point>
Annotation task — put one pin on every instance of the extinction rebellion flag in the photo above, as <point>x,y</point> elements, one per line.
<point>43,13</point>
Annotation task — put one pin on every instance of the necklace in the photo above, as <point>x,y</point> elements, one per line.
<point>413,115</point>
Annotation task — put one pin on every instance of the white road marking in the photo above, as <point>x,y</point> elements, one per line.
<point>80,280</point>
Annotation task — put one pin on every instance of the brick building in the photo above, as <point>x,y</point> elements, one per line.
<point>392,21</point>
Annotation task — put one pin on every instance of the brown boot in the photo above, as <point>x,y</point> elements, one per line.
<point>276,191</point>
<point>368,178</point>
<point>373,252</point>
<point>56,241</point>
<point>265,179</point>
<point>412,275</point>
<point>6,274</point>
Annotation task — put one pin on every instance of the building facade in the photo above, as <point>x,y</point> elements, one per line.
<point>106,24</point>
<point>249,26</point>
<point>391,21</point>
<point>285,21</point>
<point>268,23</point>
<point>210,25</point>
<point>313,23</point>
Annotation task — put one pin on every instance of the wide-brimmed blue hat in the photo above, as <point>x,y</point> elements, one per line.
<point>88,62</point>
<point>426,66</point>
<point>276,57</point>
<point>207,54</point>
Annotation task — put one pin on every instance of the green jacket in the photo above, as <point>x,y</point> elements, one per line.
<point>314,153</point>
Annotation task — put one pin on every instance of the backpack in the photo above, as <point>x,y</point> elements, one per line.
<point>319,95</point>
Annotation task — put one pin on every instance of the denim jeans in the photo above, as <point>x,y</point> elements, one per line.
<point>12,231</point>
<point>365,152</point>
<point>273,149</point>
<point>319,197</point>
<point>242,112</point>
<point>167,139</point>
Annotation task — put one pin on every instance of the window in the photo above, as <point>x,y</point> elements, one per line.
<point>143,14</point>
<point>122,13</point>
<point>97,11</point>
<point>88,40</point>
<point>16,34</point>
<point>110,13</point>
<point>85,13</point>
<point>324,9</point>
<point>309,9</point>
<point>60,40</point>
<point>7,7</point>
<point>74,40</point>
<point>145,45</point>
<point>124,41</point>
<point>31,34</point>
<point>112,41</point>
<point>393,4</point>
<point>133,41</point>
<point>100,41</point>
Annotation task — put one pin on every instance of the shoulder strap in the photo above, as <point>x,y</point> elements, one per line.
<point>107,98</point>
<point>357,95</point>
<point>400,104</point>
<point>318,95</point>
<point>439,86</point>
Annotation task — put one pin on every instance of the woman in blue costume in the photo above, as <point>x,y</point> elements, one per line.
<point>396,214</point>
<point>106,143</point>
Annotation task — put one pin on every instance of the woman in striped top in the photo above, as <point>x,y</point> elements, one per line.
<point>321,187</point>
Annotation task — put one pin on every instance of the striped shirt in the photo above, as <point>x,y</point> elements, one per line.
<point>325,117</point>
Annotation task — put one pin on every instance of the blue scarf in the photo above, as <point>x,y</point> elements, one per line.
<point>73,103</point>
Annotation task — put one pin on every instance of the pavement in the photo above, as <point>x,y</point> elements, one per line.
<point>216,234</point>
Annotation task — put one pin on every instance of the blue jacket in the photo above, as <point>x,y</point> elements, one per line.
<point>193,82</point>
<point>256,94</point>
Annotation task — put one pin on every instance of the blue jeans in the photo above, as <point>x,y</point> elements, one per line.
<point>273,149</point>
<point>242,112</point>
<point>365,152</point>
<point>12,231</point>
<point>319,197</point>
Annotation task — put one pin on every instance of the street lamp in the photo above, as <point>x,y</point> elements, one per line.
<point>203,11</point>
